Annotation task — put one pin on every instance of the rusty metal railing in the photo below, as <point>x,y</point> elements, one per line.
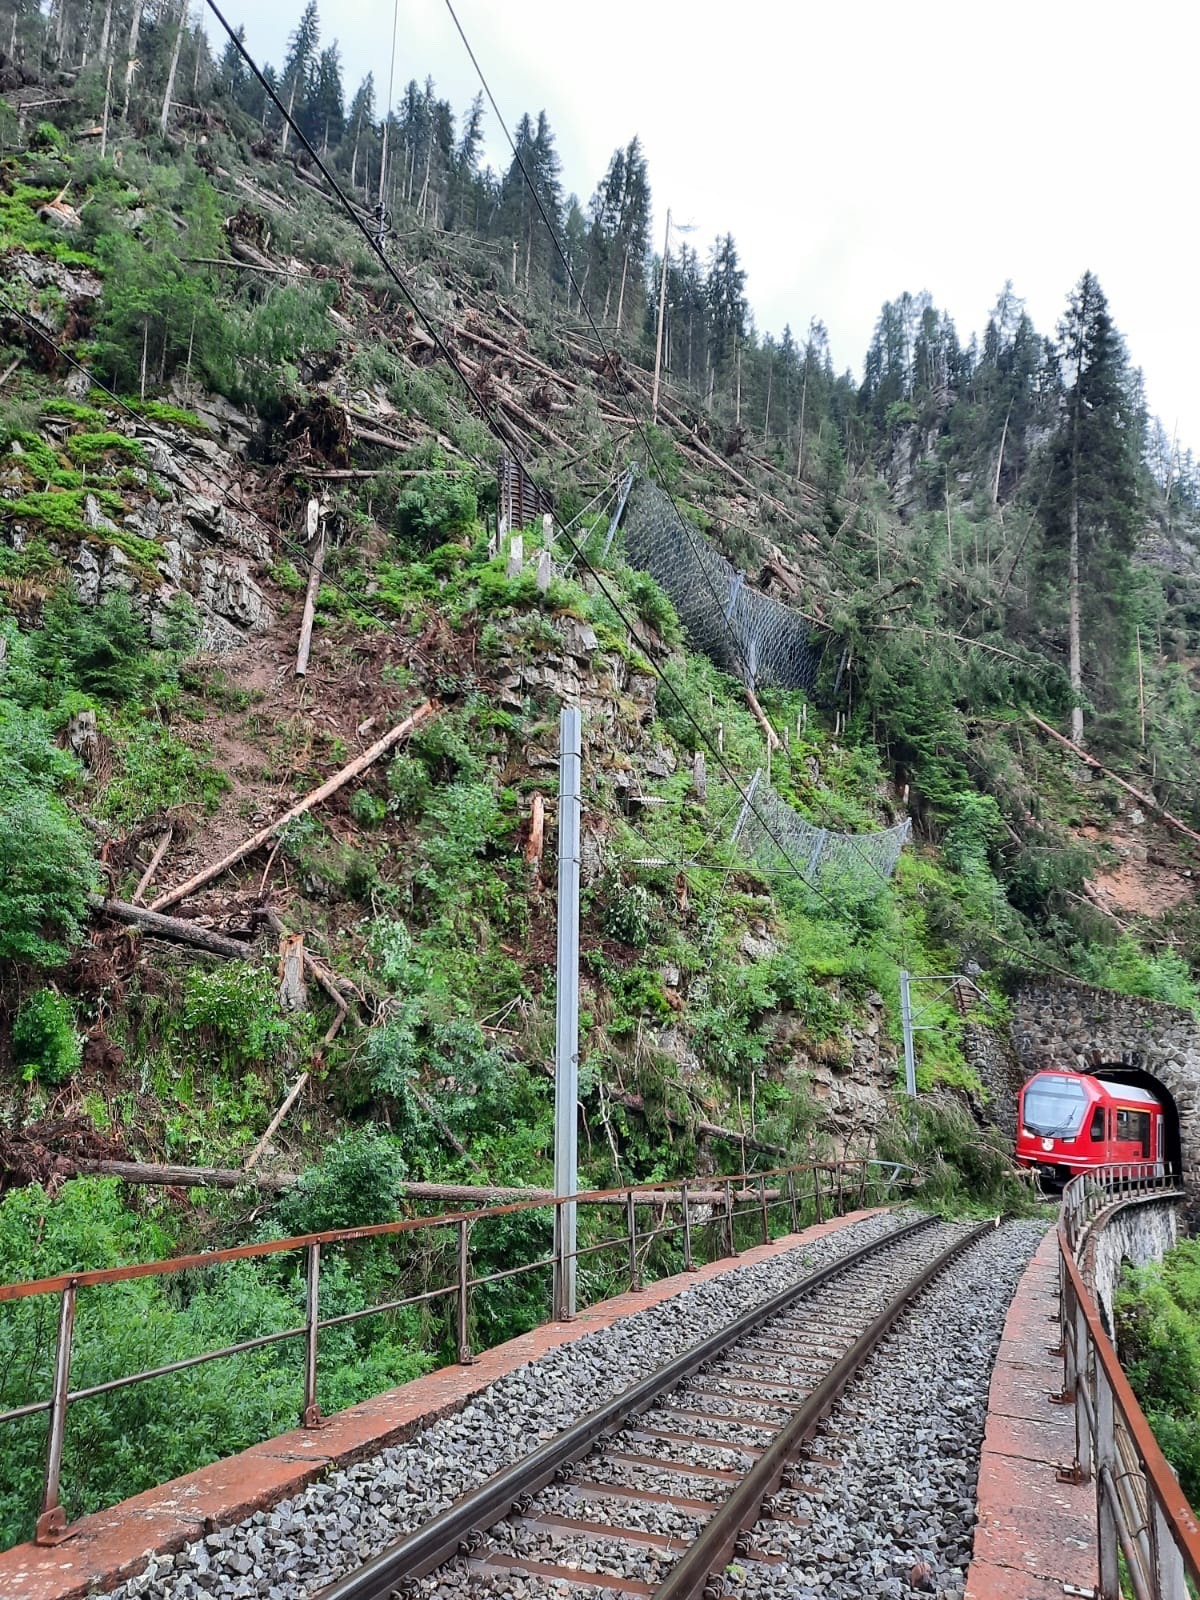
<point>1142,1514</point>
<point>816,1189</point>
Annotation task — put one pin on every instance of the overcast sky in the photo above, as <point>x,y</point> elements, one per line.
<point>856,150</point>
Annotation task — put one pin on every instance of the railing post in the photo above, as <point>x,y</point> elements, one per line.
<point>862,1184</point>
<point>1106,1468</point>
<point>311,1414</point>
<point>1169,1576</point>
<point>465,1358</point>
<point>688,1264</point>
<point>635,1281</point>
<point>792,1201</point>
<point>730,1241</point>
<point>52,1523</point>
<point>817,1191</point>
<point>762,1201</point>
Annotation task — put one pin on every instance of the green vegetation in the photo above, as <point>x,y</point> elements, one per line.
<point>44,1040</point>
<point>927,514</point>
<point>1157,1310</point>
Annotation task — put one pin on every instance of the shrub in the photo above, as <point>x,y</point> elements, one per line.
<point>367,809</point>
<point>629,914</point>
<point>235,1011</point>
<point>104,652</point>
<point>436,508</point>
<point>46,867</point>
<point>156,771</point>
<point>44,1038</point>
<point>356,1185</point>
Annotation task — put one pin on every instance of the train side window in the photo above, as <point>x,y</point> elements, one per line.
<point>1097,1128</point>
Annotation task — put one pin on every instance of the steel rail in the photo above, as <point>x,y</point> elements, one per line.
<point>429,1547</point>
<point>716,1542</point>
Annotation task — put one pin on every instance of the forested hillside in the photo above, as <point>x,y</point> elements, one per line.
<point>211,382</point>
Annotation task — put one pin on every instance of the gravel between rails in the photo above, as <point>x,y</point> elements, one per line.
<point>908,1434</point>
<point>303,1544</point>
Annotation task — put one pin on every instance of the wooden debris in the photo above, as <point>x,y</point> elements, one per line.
<point>292,995</point>
<point>537,830</point>
<point>147,877</point>
<point>308,616</point>
<point>287,1105</point>
<point>429,708</point>
<point>469,1194</point>
<point>1090,761</point>
<point>182,932</point>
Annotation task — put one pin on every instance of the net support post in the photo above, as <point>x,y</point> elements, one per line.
<point>566,1046</point>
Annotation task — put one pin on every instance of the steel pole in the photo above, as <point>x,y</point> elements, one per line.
<point>906,1018</point>
<point>566,1048</point>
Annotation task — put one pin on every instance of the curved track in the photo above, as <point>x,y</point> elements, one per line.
<point>655,1491</point>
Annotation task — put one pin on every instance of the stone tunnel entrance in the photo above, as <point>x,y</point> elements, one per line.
<point>1075,1026</point>
<point>1139,1078</point>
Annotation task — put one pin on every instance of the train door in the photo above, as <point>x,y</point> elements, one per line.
<point>1132,1138</point>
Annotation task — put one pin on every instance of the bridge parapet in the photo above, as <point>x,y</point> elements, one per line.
<point>1142,1513</point>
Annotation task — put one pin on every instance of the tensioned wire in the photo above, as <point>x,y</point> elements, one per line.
<point>720,605</point>
<point>494,422</point>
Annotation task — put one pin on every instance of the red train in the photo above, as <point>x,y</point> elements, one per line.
<point>1068,1122</point>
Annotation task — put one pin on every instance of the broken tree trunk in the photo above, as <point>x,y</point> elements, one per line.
<point>319,975</point>
<point>537,830</point>
<point>147,877</point>
<point>310,604</point>
<point>287,1105</point>
<point>151,921</point>
<point>423,712</point>
<point>771,736</point>
<point>456,1193</point>
<point>1138,794</point>
<point>292,996</point>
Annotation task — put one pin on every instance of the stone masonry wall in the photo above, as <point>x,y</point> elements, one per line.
<point>1081,1028</point>
<point>1136,1233</point>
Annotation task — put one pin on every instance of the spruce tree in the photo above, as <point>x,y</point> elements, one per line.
<point>1091,500</point>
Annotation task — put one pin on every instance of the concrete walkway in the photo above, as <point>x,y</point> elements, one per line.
<point>1035,1536</point>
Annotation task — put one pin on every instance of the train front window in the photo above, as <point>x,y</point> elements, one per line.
<point>1054,1107</point>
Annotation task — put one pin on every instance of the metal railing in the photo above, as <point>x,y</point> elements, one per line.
<point>717,1204</point>
<point>1143,1516</point>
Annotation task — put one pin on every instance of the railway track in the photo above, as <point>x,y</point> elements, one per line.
<point>654,1492</point>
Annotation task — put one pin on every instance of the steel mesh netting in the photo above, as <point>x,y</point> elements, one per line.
<point>773,836</point>
<point>746,632</point>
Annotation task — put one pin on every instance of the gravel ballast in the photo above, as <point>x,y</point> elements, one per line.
<point>896,1517</point>
<point>304,1543</point>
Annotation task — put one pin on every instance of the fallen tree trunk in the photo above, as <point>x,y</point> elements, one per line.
<point>429,708</point>
<point>1144,799</point>
<point>457,1193</point>
<point>708,1130</point>
<point>182,932</point>
<point>147,877</point>
<point>309,615</point>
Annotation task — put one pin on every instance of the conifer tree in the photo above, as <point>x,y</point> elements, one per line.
<point>1091,503</point>
<point>302,47</point>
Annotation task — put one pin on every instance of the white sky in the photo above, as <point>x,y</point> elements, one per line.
<point>857,148</point>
